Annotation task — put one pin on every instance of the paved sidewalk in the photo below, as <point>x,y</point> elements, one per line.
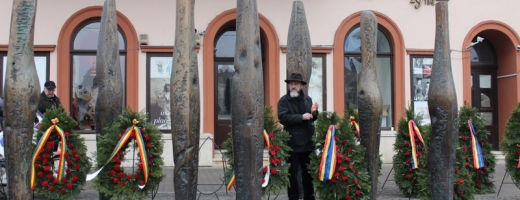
<point>212,187</point>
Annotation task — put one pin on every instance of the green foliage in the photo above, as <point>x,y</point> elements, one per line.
<point>511,145</point>
<point>121,183</point>
<point>408,179</point>
<point>278,155</point>
<point>351,179</point>
<point>482,178</point>
<point>77,163</point>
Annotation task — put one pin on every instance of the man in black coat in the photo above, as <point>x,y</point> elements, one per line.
<point>297,113</point>
<point>48,98</point>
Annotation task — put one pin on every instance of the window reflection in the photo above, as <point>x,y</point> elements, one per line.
<point>225,73</point>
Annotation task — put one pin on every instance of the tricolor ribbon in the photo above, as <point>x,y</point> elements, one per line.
<point>328,158</point>
<point>354,124</point>
<point>413,131</point>
<point>124,139</point>
<point>231,181</point>
<point>478,158</point>
<point>41,145</point>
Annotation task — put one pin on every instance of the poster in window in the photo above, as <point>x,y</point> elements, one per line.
<point>316,81</point>
<point>159,98</point>
<point>422,70</point>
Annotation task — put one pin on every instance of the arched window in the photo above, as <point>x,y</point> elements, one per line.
<point>352,56</point>
<point>84,91</point>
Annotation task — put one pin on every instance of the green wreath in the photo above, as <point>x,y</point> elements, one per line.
<point>278,155</point>
<point>350,179</point>
<point>511,145</point>
<point>45,174</point>
<point>130,183</point>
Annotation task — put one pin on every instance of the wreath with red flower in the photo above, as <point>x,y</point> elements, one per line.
<point>511,146</point>
<point>132,182</point>
<point>278,153</point>
<point>48,161</point>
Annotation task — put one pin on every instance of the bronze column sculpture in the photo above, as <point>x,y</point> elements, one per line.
<point>299,52</point>
<point>247,104</point>
<point>109,104</point>
<point>369,98</point>
<point>185,103</point>
<point>442,105</point>
<point>22,90</point>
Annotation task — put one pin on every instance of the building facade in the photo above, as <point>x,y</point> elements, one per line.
<point>483,38</point>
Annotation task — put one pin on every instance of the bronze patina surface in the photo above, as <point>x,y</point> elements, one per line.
<point>299,49</point>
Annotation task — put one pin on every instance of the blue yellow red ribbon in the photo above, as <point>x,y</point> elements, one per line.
<point>328,158</point>
<point>140,145</point>
<point>41,145</point>
<point>478,158</point>
<point>355,125</point>
<point>413,131</point>
<point>231,181</point>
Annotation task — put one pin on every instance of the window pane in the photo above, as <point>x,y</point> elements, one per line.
<point>87,38</point>
<point>225,72</point>
<point>384,75</point>
<point>485,81</point>
<point>41,69</point>
<point>159,87</point>
<point>482,52</point>
<point>84,91</point>
<point>353,42</point>
<point>316,81</point>
<point>226,44</point>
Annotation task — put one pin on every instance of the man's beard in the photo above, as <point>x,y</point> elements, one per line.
<point>294,94</point>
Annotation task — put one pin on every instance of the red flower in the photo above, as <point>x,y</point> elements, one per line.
<point>141,182</point>
<point>276,147</point>
<point>74,178</point>
<point>52,188</point>
<point>46,156</point>
<point>273,171</point>
<point>67,134</point>
<point>271,135</point>
<point>74,152</point>
<point>479,171</point>
<point>64,180</point>
<point>356,173</point>
<point>140,165</point>
<point>347,159</point>
<point>273,162</point>
<point>116,180</point>
<point>356,182</point>
<point>40,174</point>
<point>410,170</point>
<point>56,181</point>
<point>407,144</point>
<point>468,164</point>
<point>358,192</point>
<point>142,130</point>
<point>37,167</point>
<point>273,153</point>
<point>71,146</point>
<point>407,153</point>
<point>63,190</point>
<point>150,156</point>
<point>351,167</point>
<point>408,176</point>
<point>461,181</point>
<point>45,183</point>
<point>347,188</point>
<point>112,172</point>
<point>343,141</point>
<point>123,183</point>
<point>49,176</point>
<point>348,197</point>
<point>344,178</point>
<point>350,150</point>
<point>336,175</point>
<point>464,148</point>
<point>136,175</point>
<point>66,154</point>
<point>148,146</point>
<point>463,137</point>
<point>128,177</point>
<point>70,185</point>
<point>39,158</point>
<point>121,174</point>
<point>341,168</point>
<point>333,180</point>
<point>117,160</point>
<point>419,153</point>
<point>76,166</point>
<point>150,163</point>
<point>117,167</point>
<point>46,168</point>
<point>68,162</point>
<point>264,170</point>
<point>408,161</point>
<point>45,162</point>
<point>339,161</point>
<point>76,156</point>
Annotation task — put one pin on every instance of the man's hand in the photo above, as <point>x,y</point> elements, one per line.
<point>315,107</point>
<point>307,116</point>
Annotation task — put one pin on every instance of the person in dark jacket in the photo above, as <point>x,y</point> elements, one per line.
<point>48,98</point>
<point>297,113</point>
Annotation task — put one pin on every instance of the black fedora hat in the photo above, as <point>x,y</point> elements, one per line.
<point>296,77</point>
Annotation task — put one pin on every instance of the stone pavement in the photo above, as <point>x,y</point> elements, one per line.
<point>211,186</point>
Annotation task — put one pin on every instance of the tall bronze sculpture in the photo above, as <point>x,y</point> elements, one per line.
<point>369,98</point>
<point>442,105</point>
<point>299,49</point>
<point>185,103</point>
<point>22,90</point>
<point>109,104</point>
<point>247,103</point>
